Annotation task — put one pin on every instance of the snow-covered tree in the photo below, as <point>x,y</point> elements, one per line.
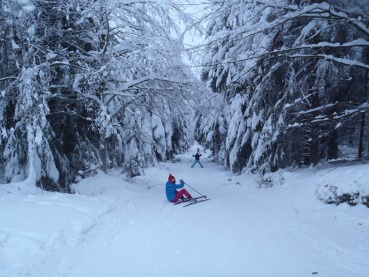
<point>144,78</point>
<point>90,82</point>
<point>292,73</point>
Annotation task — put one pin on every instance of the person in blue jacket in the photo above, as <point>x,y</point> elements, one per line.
<point>173,195</point>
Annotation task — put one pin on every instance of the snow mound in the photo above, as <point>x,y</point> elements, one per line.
<point>352,187</point>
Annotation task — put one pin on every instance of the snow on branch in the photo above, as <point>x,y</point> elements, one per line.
<point>8,78</point>
<point>354,43</point>
<point>332,58</point>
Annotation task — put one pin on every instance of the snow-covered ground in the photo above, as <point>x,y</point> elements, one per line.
<point>114,228</point>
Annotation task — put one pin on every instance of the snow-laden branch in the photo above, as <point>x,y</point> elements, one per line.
<point>134,84</point>
<point>284,52</point>
<point>319,11</point>
<point>8,78</point>
<point>354,43</point>
<point>355,22</point>
<point>332,58</point>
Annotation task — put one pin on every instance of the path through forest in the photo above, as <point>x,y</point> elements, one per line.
<point>115,228</point>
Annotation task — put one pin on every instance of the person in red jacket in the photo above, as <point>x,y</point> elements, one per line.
<point>173,195</point>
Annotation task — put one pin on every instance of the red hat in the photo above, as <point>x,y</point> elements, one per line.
<point>171,178</point>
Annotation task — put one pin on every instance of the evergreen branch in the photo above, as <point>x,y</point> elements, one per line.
<point>343,61</point>
<point>8,78</point>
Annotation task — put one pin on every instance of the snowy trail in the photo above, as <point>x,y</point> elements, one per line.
<point>241,231</point>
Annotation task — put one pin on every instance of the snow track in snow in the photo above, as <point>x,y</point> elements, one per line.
<point>119,229</point>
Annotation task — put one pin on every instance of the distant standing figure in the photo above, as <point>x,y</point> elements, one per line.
<point>171,190</point>
<point>197,158</point>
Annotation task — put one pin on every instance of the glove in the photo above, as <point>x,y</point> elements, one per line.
<point>181,181</point>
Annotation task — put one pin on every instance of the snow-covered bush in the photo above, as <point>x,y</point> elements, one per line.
<point>352,194</point>
<point>271,179</point>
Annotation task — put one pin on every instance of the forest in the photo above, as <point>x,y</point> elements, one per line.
<point>88,84</point>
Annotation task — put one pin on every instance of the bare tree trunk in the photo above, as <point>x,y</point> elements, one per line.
<point>366,93</point>
<point>333,146</point>
<point>315,144</point>
<point>104,157</point>
<point>361,138</point>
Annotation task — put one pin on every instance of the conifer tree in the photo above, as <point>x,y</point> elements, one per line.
<point>291,72</point>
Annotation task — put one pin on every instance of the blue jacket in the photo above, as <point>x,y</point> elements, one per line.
<point>171,190</point>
